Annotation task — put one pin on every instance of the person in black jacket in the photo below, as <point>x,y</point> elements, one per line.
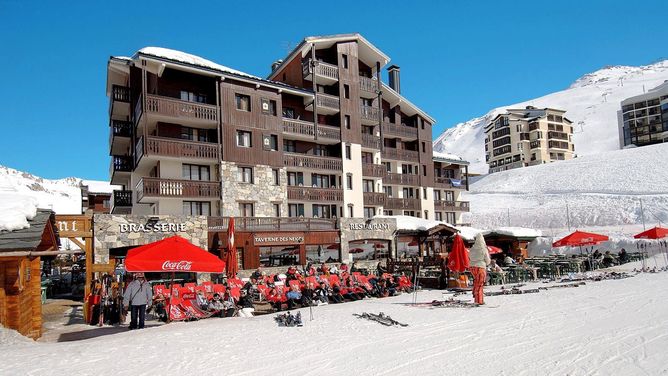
<point>246,305</point>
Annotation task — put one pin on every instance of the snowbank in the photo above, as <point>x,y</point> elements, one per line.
<point>100,186</point>
<point>520,232</point>
<point>191,59</point>
<point>15,211</point>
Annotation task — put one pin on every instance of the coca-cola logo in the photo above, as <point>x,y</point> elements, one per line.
<point>176,265</point>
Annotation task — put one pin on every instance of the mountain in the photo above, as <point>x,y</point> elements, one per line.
<point>591,102</point>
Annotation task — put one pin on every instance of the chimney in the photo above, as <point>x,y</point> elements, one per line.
<point>276,64</point>
<point>393,72</point>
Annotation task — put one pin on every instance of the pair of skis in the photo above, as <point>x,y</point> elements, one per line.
<point>379,318</point>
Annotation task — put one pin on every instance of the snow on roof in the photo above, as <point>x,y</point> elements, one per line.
<point>519,232</point>
<point>408,223</point>
<point>448,157</point>
<point>16,210</point>
<point>187,58</point>
<point>468,233</point>
<point>95,186</point>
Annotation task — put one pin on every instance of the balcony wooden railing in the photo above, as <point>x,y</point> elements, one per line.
<point>180,109</point>
<point>322,69</point>
<point>329,101</point>
<point>400,154</point>
<point>462,206</point>
<point>306,128</point>
<point>313,162</point>
<point>403,179</point>
<point>121,128</point>
<point>374,170</point>
<point>369,85</point>
<point>120,93</point>
<point>156,187</point>
<point>557,135</point>
<point>121,163</point>
<point>251,224</point>
<point>169,147</point>
<point>443,182</point>
<point>122,198</point>
<point>402,203</point>
<point>399,130</point>
<point>315,194</point>
<point>370,141</point>
<point>369,113</point>
<point>558,145</point>
<point>375,198</point>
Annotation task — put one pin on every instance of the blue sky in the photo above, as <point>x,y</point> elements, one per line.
<point>458,59</point>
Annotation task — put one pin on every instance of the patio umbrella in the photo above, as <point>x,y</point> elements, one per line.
<point>458,259</point>
<point>356,250</point>
<point>379,245</point>
<point>231,259</point>
<point>414,243</point>
<point>580,238</point>
<point>333,246</point>
<point>654,233</point>
<point>174,254</point>
<point>494,250</point>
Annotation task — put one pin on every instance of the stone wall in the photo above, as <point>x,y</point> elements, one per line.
<point>361,229</point>
<point>263,193</point>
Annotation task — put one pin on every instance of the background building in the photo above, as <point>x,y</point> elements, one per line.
<point>527,137</point>
<point>643,119</point>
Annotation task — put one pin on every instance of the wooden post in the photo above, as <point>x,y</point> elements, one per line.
<point>88,243</point>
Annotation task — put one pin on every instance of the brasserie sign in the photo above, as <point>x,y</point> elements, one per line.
<point>152,227</point>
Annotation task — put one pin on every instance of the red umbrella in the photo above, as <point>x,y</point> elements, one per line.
<point>333,246</point>
<point>413,243</point>
<point>458,260</point>
<point>174,254</point>
<point>654,233</point>
<point>356,250</point>
<point>494,250</point>
<point>580,238</point>
<point>231,260</point>
<point>379,245</point>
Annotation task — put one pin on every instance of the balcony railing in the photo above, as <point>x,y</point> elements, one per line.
<point>169,147</point>
<point>121,128</point>
<point>312,162</point>
<point>369,113</point>
<point>400,154</point>
<point>305,128</point>
<point>374,170</point>
<point>329,101</point>
<point>557,135</point>
<point>272,223</point>
<point>121,163</point>
<point>402,203</point>
<point>156,187</point>
<point>122,198</point>
<point>120,93</point>
<point>403,179</point>
<point>181,109</point>
<point>462,206</point>
<point>444,182</point>
<point>370,141</point>
<point>322,69</point>
<point>558,145</point>
<point>315,194</point>
<point>399,130</point>
<point>369,85</point>
<point>375,198</point>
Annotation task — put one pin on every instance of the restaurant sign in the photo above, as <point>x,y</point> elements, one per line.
<point>282,239</point>
<point>370,226</point>
<point>152,227</point>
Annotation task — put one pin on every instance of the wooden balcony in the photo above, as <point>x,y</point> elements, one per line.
<point>325,72</point>
<point>401,179</point>
<point>170,147</point>
<point>172,188</point>
<point>370,141</point>
<point>374,170</point>
<point>557,135</point>
<point>392,130</point>
<point>368,87</point>
<point>252,224</point>
<point>369,114</point>
<point>315,194</point>
<point>451,206</point>
<point>121,163</point>
<point>312,162</point>
<point>375,198</point>
<point>120,93</point>
<point>305,129</point>
<point>443,182</point>
<point>122,202</point>
<point>402,204</point>
<point>400,154</point>
<point>176,108</point>
<point>558,145</point>
<point>119,136</point>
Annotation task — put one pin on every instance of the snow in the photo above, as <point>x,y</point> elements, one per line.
<point>16,210</point>
<point>187,58</point>
<point>601,328</point>
<point>520,232</point>
<point>591,102</point>
<point>96,186</point>
<point>408,223</point>
<point>448,156</point>
<point>468,233</point>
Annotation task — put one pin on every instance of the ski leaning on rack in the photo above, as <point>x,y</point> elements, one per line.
<point>380,318</point>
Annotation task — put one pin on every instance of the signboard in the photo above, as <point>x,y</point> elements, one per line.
<point>73,226</point>
<point>151,227</point>
<point>369,226</point>
<point>288,238</point>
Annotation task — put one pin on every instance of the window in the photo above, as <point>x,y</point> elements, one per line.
<point>289,112</point>
<point>244,139</point>
<point>439,216</point>
<point>195,172</point>
<point>423,147</point>
<point>268,106</point>
<point>344,61</point>
<point>422,122</point>
<point>192,97</point>
<point>349,181</point>
<point>424,170</point>
<point>388,166</point>
<point>245,174</point>
<point>196,208</point>
<point>105,203</point>
<point>187,133</point>
<point>277,209</point>
<point>346,91</point>
<point>367,157</point>
<point>322,181</point>
<point>246,209</point>
<point>295,178</point>
<point>275,174</point>
<point>387,190</point>
<point>424,193</point>
<point>346,121</point>
<point>437,195</point>
<point>348,152</point>
<point>323,211</point>
<point>243,102</point>
<point>369,212</point>
<point>368,186</point>
<point>289,146</point>
<point>426,214</point>
<point>350,211</point>
<point>295,210</point>
<point>270,142</point>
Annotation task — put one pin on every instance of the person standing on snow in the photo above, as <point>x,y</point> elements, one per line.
<point>479,259</point>
<point>137,296</point>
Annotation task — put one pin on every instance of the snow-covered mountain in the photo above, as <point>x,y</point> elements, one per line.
<point>591,102</point>
<point>22,193</point>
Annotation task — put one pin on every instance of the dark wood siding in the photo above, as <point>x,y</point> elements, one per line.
<point>351,106</point>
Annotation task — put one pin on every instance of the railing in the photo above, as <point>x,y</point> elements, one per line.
<point>451,205</point>
<point>558,145</point>
<point>139,150</point>
<point>369,113</point>
<point>329,132</point>
<point>326,100</point>
<point>120,93</point>
<point>306,128</point>
<point>557,135</point>
<point>402,203</point>
<point>321,69</point>
<point>400,154</point>
<point>169,147</point>
<point>120,128</point>
<point>314,162</point>
<point>447,183</point>
<point>375,198</point>
<point>374,170</point>
<point>370,141</point>
<point>272,223</point>
<point>369,85</point>
<point>315,194</point>
<point>122,198</point>
<point>121,163</point>
<point>181,109</point>
<point>156,187</point>
<point>403,179</point>
<point>399,130</point>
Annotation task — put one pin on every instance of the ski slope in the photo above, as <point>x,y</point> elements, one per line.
<point>591,103</point>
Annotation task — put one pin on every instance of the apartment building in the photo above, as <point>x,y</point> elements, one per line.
<point>322,136</point>
<point>528,137</point>
<point>643,119</point>
<point>450,180</point>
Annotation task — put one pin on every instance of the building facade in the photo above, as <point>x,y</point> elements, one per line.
<point>643,119</point>
<point>528,137</point>
<point>321,137</point>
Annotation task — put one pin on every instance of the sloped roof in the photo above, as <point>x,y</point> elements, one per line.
<point>27,238</point>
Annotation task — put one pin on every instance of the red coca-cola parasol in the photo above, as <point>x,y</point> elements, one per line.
<point>232,264</point>
<point>654,233</point>
<point>174,254</point>
<point>458,259</point>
